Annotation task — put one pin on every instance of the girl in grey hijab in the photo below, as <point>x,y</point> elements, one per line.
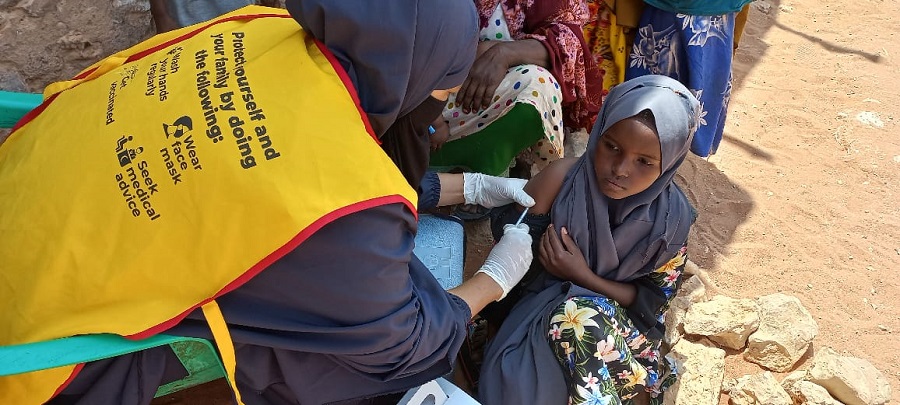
<point>588,327</point>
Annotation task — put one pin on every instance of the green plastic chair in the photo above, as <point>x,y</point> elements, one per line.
<point>15,105</point>
<point>197,355</point>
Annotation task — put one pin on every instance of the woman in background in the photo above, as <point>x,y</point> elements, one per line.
<point>692,42</point>
<point>610,33</point>
<point>532,78</point>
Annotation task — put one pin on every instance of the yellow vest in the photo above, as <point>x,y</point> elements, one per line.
<point>171,173</point>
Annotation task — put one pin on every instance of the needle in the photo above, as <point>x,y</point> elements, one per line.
<point>521,217</point>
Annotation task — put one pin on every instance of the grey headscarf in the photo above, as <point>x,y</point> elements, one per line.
<point>621,239</point>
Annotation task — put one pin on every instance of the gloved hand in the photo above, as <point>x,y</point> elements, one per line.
<point>510,258</point>
<point>489,191</point>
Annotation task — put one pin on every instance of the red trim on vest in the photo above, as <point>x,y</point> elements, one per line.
<point>175,40</point>
<point>68,381</point>
<point>32,114</point>
<point>351,88</point>
<point>278,254</point>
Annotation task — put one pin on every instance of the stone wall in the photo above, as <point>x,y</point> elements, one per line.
<point>42,41</point>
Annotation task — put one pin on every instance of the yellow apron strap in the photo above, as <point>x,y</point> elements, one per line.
<point>223,341</point>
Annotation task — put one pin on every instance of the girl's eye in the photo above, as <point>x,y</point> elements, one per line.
<point>611,146</point>
<point>645,162</point>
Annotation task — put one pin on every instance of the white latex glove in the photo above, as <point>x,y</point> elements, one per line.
<point>510,258</point>
<point>489,191</point>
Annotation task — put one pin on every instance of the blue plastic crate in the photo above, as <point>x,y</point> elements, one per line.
<point>440,245</point>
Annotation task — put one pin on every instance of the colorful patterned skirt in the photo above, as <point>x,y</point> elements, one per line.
<point>605,358</point>
<point>607,41</point>
<point>695,50</point>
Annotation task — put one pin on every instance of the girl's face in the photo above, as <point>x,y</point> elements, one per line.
<point>627,159</point>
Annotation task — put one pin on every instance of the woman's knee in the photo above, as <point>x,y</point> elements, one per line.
<point>535,77</point>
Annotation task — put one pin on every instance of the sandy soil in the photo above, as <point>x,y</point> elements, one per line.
<point>800,198</point>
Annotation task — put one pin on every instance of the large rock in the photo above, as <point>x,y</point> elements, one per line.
<point>673,319</point>
<point>701,369</point>
<point>785,331</point>
<point>758,389</point>
<point>809,393</point>
<point>726,321</point>
<point>850,380</point>
<point>792,378</point>
<point>692,290</point>
<point>805,392</point>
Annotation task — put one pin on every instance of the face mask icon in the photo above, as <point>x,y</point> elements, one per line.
<point>179,127</point>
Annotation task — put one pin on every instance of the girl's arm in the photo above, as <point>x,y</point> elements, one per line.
<point>563,259</point>
<point>545,185</point>
<point>558,252</point>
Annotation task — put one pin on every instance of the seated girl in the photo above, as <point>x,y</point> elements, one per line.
<point>532,77</point>
<point>610,231</point>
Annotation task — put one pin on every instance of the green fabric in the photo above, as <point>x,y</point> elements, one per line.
<point>490,150</point>
<point>197,355</point>
<point>699,7</point>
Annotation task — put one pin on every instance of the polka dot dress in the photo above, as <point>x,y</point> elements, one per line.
<point>529,84</point>
<point>496,30</point>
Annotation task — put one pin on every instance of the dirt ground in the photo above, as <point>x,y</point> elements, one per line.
<point>799,199</point>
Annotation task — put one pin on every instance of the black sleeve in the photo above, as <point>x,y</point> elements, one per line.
<point>429,191</point>
<point>643,311</point>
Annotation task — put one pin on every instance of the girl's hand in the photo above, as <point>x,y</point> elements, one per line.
<point>441,133</point>
<point>487,72</point>
<point>562,257</point>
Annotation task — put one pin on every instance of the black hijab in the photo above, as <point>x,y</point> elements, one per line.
<point>395,52</point>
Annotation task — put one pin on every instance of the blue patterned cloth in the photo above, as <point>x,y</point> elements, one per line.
<point>699,7</point>
<point>697,51</point>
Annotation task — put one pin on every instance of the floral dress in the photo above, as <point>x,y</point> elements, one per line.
<point>606,359</point>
